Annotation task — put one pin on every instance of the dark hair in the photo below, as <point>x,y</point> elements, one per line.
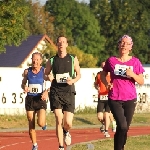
<point>37,53</point>
<point>61,36</point>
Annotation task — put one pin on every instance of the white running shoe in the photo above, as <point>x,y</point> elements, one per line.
<point>67,138</point>
<point>107,135</point>
<point>114,126</point>
<point>61,149</point>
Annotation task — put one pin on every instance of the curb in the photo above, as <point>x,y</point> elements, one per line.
<point>74,127</point>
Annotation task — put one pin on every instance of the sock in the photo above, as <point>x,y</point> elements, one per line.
<point>35,144</point>
<point>61,146</point>
<point>64,131</point>
<point>114,122</point>
<point>103,126</point>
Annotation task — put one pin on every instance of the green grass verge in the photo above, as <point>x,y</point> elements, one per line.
<point>86,117</point>
<point>133,143</point>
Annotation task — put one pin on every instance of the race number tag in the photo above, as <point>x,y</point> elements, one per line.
<point>62,78</point>
<point>121,70</point>
<point>35,88</point>
<point>103,97</point>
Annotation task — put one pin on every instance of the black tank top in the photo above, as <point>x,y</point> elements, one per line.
<point>60,66</point>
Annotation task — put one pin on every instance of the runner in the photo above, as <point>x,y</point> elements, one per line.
<point>124,70</point>
<point>103,110</point>
<point>62,91</point>
<point>35,101</point>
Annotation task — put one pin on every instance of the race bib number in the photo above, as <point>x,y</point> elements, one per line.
<point>103,97</point>
<point>121,70</point>
<point>62,78</point>
<point>35,88</point>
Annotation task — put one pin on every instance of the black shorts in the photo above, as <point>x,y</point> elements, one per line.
<point>34,103</point>
<point>64,101</point>
<point>103,106</point>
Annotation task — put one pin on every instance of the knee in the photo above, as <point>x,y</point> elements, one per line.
<point>59,121</point>
<point>100,116</point>
<point>31,123</point>
<point>106,114</point>
<point>30,119</point>
<point>68,125</point>
<point>124,127</point>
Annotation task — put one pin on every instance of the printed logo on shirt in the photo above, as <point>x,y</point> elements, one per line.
<point>121,70</point>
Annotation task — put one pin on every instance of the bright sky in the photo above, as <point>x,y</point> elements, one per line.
<point>43,1</point>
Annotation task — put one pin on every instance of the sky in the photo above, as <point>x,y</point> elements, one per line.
<point>43,1</point>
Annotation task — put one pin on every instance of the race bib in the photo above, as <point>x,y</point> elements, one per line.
<point>35,88</point>
<point>121,70</point>
<point>62,78</point>
<point>103,97</point>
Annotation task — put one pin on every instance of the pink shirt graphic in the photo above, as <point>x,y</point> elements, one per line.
<point>123,86</point>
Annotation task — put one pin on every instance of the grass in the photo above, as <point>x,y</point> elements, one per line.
<point>133,143</point>
<point>86,117</point>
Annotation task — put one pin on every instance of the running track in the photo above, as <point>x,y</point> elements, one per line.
<point>47,139</point>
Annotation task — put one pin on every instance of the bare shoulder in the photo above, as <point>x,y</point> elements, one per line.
<point>25,73</point>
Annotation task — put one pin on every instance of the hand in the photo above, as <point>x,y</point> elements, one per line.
<point>70,81</point>
<point>44,95</point>
<point>98,88</point>
<point>26,89</point>
<point>129,72</point>
<point>50,77</point>
<point>109,86</point>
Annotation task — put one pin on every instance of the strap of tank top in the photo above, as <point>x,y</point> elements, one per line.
<point>51,61</point>
<point>72,57</point>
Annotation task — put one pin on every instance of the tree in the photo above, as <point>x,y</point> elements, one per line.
<point>85,60</point>
<point>39,21</point>
<point>48,52</point>
<point>78,24</point>
<point>12,15</point>
<point>119,17</point>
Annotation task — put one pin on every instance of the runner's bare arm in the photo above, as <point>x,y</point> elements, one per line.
<point>77,69</point>
<point>103,78</point>
<point>48,69</point>
<point>96,85</point>
<point>45,76</point>
<point>24,81</point>
<point>104,81</point>
<point>46,79</point>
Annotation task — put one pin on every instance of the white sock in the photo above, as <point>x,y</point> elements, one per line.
<point>35,144</point>
<point>114,122</point>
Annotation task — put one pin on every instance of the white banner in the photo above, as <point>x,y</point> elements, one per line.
<point>143,93</point>
<point>12,98</point>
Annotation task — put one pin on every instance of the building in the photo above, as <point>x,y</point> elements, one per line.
<point>21,56</point>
